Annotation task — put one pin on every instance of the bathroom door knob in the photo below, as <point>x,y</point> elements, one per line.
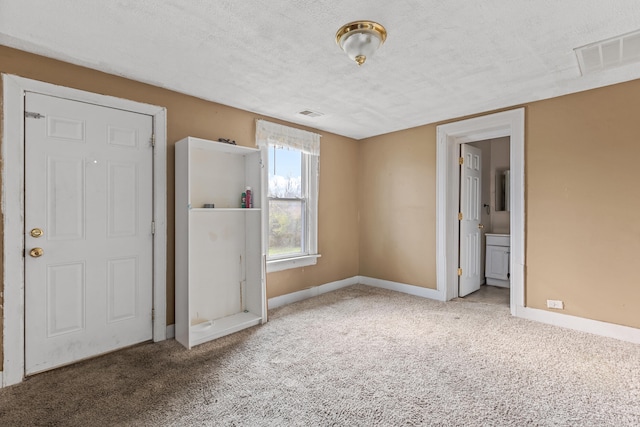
<point>480,226</point>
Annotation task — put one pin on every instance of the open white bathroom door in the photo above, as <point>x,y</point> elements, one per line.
<point>470,226</point>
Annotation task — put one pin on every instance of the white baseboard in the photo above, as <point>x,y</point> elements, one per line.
<point>609,330</point>
<point>281,300</point>
<point>171,332</point>
<point>369,281</point>
<point>403,287</point>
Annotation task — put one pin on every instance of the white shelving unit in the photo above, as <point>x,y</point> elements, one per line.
<point>220,272</point>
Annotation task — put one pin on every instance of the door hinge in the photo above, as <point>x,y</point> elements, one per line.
<point>153,314</point>
<point>461,160</point>
<point>153,140</point>
<point>459,216</point>
<point>153,227</point>
<point>459,272</point>
<point>30,115</point>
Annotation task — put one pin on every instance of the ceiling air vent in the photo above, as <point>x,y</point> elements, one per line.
<point>609,53</point>
<point>310,113</point>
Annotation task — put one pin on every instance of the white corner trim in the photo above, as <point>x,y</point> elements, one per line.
<point>287,263</point>
<point>314,291</point>
<point>404,288</point>
<point>160,221</point>
<point>597,327</point>
<point>286,299</point>
<point>14,89</point>
<point>12,201</point>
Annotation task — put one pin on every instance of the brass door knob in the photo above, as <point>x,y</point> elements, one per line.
<point>480,226</point>
<point>36,252</point>
<point>36,232</point>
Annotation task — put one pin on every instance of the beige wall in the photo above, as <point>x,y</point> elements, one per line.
<point>337,225</point>
<point>582,232</point>
<point>397,207</point>
<point>377,196</point>
<point>190,116</point>
<point>582,228</point>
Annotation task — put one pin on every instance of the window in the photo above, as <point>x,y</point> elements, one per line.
<point>292,195</point>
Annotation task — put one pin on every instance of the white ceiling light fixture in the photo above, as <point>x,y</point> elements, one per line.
<point>360,39</point>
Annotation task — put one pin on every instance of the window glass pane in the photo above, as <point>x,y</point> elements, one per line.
<point>285,227</point>
<point>285,173</point>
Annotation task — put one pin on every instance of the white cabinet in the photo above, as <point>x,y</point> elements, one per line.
<point>220,276</point>
<point>497,270</point>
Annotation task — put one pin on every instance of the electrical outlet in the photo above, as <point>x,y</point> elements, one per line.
<point>554,303</point>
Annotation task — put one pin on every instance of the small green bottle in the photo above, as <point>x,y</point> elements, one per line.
<point>243,200</point>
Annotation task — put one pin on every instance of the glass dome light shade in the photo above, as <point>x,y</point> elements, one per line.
<point>361,39</point>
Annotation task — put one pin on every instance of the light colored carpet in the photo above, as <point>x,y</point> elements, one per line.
<point>359,356</point>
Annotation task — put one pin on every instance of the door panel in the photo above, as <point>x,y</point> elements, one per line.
<point>122,197</point>
<point>88,185</point>
<point>65,297</point>
<point>498,264</point>
<point>122,294</point>
<point>65,198</point>
<point>470,205</point>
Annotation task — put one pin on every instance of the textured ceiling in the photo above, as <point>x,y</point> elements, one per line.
<point>442,59</point>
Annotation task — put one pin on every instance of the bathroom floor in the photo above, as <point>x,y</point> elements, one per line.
<point>490,295</point>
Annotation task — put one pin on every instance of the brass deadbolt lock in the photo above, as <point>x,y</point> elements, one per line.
<point>36,232</point>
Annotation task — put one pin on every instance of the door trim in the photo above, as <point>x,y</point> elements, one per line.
<point>14,89</point>
<point>449,138</point>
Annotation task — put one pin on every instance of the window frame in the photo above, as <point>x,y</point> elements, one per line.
<point>310,182</point>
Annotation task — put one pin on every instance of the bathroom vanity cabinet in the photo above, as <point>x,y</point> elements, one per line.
<point>498,249</point>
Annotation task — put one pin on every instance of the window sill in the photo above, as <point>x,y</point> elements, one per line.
<point>287,263</point>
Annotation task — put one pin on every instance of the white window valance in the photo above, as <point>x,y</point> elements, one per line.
<point>287,137</point>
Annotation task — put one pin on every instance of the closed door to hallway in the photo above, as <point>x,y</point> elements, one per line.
<point>88,230</point>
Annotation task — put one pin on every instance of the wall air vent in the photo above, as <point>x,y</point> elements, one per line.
<point>310,113</point>
<point>609,53</point>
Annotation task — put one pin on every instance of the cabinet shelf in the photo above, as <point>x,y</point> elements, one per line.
<point>212,329</point>
<point>225,209</point>
<point>220,276</point>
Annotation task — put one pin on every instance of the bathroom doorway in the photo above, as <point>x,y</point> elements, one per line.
<point>494,221</point>
<point>449,138</point>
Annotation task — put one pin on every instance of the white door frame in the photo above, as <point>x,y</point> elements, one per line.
<point>14,88</point>
<point>449,138</point>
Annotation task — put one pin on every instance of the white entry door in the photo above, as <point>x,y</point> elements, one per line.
<point>88,230</point>
<point>470,227</point>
